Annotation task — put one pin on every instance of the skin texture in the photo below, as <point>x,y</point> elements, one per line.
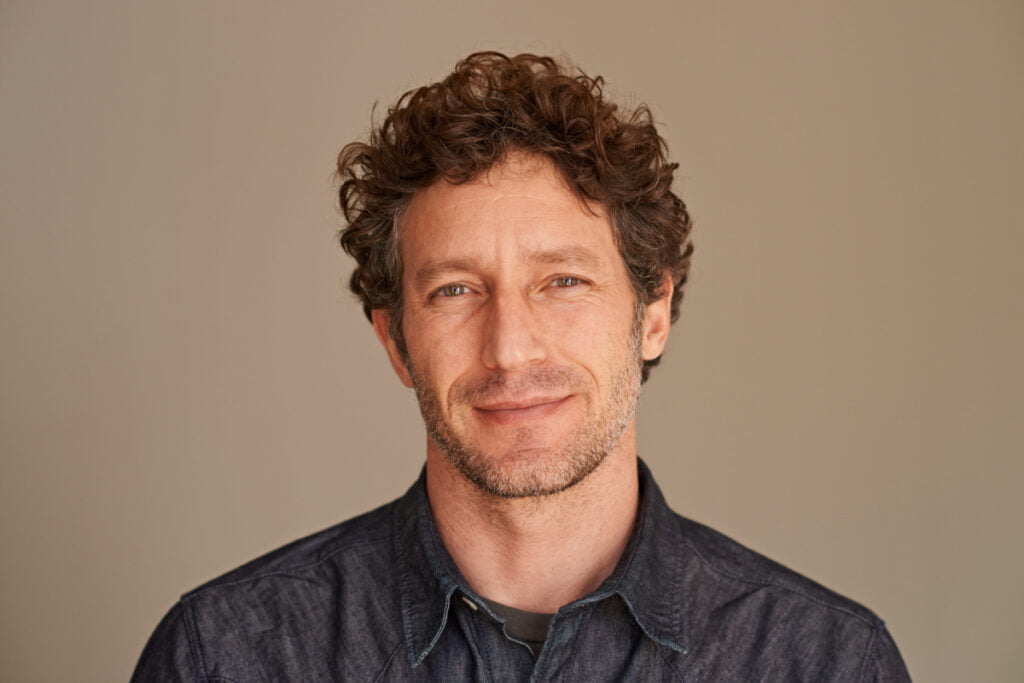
<point>524,347</point>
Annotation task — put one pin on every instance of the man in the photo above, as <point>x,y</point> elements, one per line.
<point>521,256</point>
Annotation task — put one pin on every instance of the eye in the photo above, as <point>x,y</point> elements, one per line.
<point>452,290</point>
<point>566,281</point>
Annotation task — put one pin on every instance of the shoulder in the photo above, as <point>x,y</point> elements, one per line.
<point>283,615</point>
<point>774,622</point>
<point>352,543</point>
<point>350,565</point>
<point>729,566</point>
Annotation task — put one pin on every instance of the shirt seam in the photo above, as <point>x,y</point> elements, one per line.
<point>642,530</point>
<point>664,656</point>
<point>780,586</point>
<point>387,664</point>
<point>623,587</point>
<point>468,622</point>
<point>279,572</point>
<point>195,646</point>
<point>867,652</point>
<point>582,617</point>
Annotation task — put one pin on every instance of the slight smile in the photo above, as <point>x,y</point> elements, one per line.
<point>508,412</point>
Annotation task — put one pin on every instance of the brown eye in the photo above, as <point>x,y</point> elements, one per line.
<point>566,281</point>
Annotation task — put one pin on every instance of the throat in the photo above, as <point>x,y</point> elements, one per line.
<point>536,555</point>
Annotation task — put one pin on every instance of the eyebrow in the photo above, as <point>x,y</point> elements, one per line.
<point>573,255</point>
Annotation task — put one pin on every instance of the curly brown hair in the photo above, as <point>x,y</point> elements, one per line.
<point>489,106</point>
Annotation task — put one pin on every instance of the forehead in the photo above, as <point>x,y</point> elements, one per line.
<point>519,207</point>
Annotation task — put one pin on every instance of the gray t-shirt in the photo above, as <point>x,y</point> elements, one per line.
<point>529,627</point>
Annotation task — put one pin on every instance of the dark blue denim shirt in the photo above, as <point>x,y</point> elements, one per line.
<point>378,598</point>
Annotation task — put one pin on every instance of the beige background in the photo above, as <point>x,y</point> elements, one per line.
<point>186,384</point>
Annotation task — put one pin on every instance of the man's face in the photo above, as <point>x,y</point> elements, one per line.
<point>525,343</point>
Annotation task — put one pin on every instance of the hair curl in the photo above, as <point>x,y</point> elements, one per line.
<point>489,106</point>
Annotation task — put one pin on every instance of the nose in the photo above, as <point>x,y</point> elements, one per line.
<point>512,333</point>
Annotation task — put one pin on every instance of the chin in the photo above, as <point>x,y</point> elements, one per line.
<point>525,473</point>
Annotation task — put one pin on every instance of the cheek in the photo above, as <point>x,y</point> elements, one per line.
<point>592,338</point>
<point>439,353</point>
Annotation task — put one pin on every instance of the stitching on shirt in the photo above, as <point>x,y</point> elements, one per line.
<point>643,530</point>
<point>471,632</point>
<point>387,664</point>
<point>867,651</point>
<point>279,572</point>
<point>668,662</point>
<point>677,604</point>
<point>773,584</point>
<point>582,618</point>
<point>641,526</point>
<point>441,628</point>
<point>405,608</point>
<point>195,647</point>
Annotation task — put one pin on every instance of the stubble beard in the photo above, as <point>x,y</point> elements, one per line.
<point>510,470</point>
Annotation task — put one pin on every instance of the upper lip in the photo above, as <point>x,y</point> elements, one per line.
<point>520,403</point>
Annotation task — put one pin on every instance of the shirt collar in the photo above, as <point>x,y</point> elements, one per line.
<point>646,578</point>
<point>649,572</point>
<point>427,574</point>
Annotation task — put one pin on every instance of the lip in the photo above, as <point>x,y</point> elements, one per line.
<point>521,404</point>
<point>522,409</point>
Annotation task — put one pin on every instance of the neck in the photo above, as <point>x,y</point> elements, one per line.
<point>537,553</point>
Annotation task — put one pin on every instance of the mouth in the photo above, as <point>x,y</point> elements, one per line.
<point>506,412</point>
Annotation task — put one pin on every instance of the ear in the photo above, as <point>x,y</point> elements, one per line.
<point>657,321</point>
<point>381,318</point>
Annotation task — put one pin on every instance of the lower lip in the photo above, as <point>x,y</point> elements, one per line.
<point>516,415</point>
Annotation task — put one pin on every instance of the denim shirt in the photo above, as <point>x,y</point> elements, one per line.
<point>378,598</point>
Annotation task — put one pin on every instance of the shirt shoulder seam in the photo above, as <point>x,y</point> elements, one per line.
<point>774,584</point>
<point>868,650</point>
<point>195,646</point>
<point>279,572</point>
